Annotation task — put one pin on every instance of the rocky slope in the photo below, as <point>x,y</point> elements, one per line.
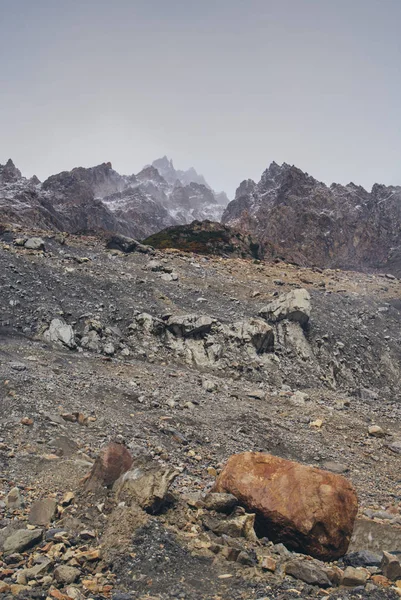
<point>99,198</point>
<point>301,219</point>
<point>182,361</point>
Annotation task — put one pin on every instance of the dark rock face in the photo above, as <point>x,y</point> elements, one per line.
<point>302,220</point>
<point>206,237</point>
<point>98,198</point>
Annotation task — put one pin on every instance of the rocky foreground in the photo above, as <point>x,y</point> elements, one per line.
<point>130,376</point>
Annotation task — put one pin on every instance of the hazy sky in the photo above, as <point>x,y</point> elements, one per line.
<point>226,86</point>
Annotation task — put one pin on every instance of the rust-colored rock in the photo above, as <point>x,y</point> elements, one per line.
<point>112,462</point>
<point>310,510</point>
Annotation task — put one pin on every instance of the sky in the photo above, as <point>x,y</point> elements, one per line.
<point>226,86</point>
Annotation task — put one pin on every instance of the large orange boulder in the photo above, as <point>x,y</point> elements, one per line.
<point>310,510</point>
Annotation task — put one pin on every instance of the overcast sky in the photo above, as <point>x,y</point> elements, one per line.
<point>225,86</point>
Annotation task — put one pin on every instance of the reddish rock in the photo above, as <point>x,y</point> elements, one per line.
<point>112,462</point>
<point>310,510</point>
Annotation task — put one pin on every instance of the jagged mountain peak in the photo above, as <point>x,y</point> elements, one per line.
<point>9,172</point>
<point>167,170</point>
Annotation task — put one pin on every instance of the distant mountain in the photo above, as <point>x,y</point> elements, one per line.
<point>88,199</point>
<point>300,219</point>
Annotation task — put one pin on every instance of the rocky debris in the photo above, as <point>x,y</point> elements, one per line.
<point>22,540</point>
<point>391,566</point>
<point>308,572</point>
<point>310,510</point>
<point>146,484</point>
<point>43,511</point>
<point>127,245</point>
<point>294,306</point>
<point>60,332</point>
<point>113,461</point>
<point>189,403</point>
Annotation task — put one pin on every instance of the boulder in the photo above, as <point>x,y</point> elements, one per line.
<point>127,245</point>
<point>34,243</point>
<point>191,325</point>
<point>112,462</point>
<point>309,510</point>
<point>294,306</point>
<point>60,332</point>
<point>22,540</point>
<point>145,484</point>
<point>43,512</point>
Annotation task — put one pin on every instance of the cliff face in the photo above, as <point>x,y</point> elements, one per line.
<point>300,219</point>
<point>99,198</point>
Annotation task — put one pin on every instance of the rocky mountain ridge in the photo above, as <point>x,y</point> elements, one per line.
<point>303,220</point>
<point>99,198</point>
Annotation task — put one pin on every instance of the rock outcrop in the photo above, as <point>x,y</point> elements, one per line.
<point>310,510</point>
<point>206,237</point>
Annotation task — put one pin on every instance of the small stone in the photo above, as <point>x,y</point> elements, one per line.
<point>354,576</point>
<point>335,467</point>
<point>376,431</point>
<point>390,566</point>
<point>67,498</point>
<point>268,564</point>
<point>109,349</point>
<point>381,580</point>
<point>43,512</point>
<point>220,502</point>
<point>209,385</point>
<point>26,421</point>
<point>14,499</point>
<point>66,575</point>
<point>362,558</point>
<point>307,571</point>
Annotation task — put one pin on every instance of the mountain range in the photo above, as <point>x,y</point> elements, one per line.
<point>302,220</point>
<point>290,214</point>
<point>99,198</point>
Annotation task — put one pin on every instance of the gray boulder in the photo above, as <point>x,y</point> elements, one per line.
<point>60,332</point>
<point>145,484</point>
<point>309,572</point>
<point>22,540</point>
<point>34,243</point>
<point>191,325</point>
<point>294,306</point>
